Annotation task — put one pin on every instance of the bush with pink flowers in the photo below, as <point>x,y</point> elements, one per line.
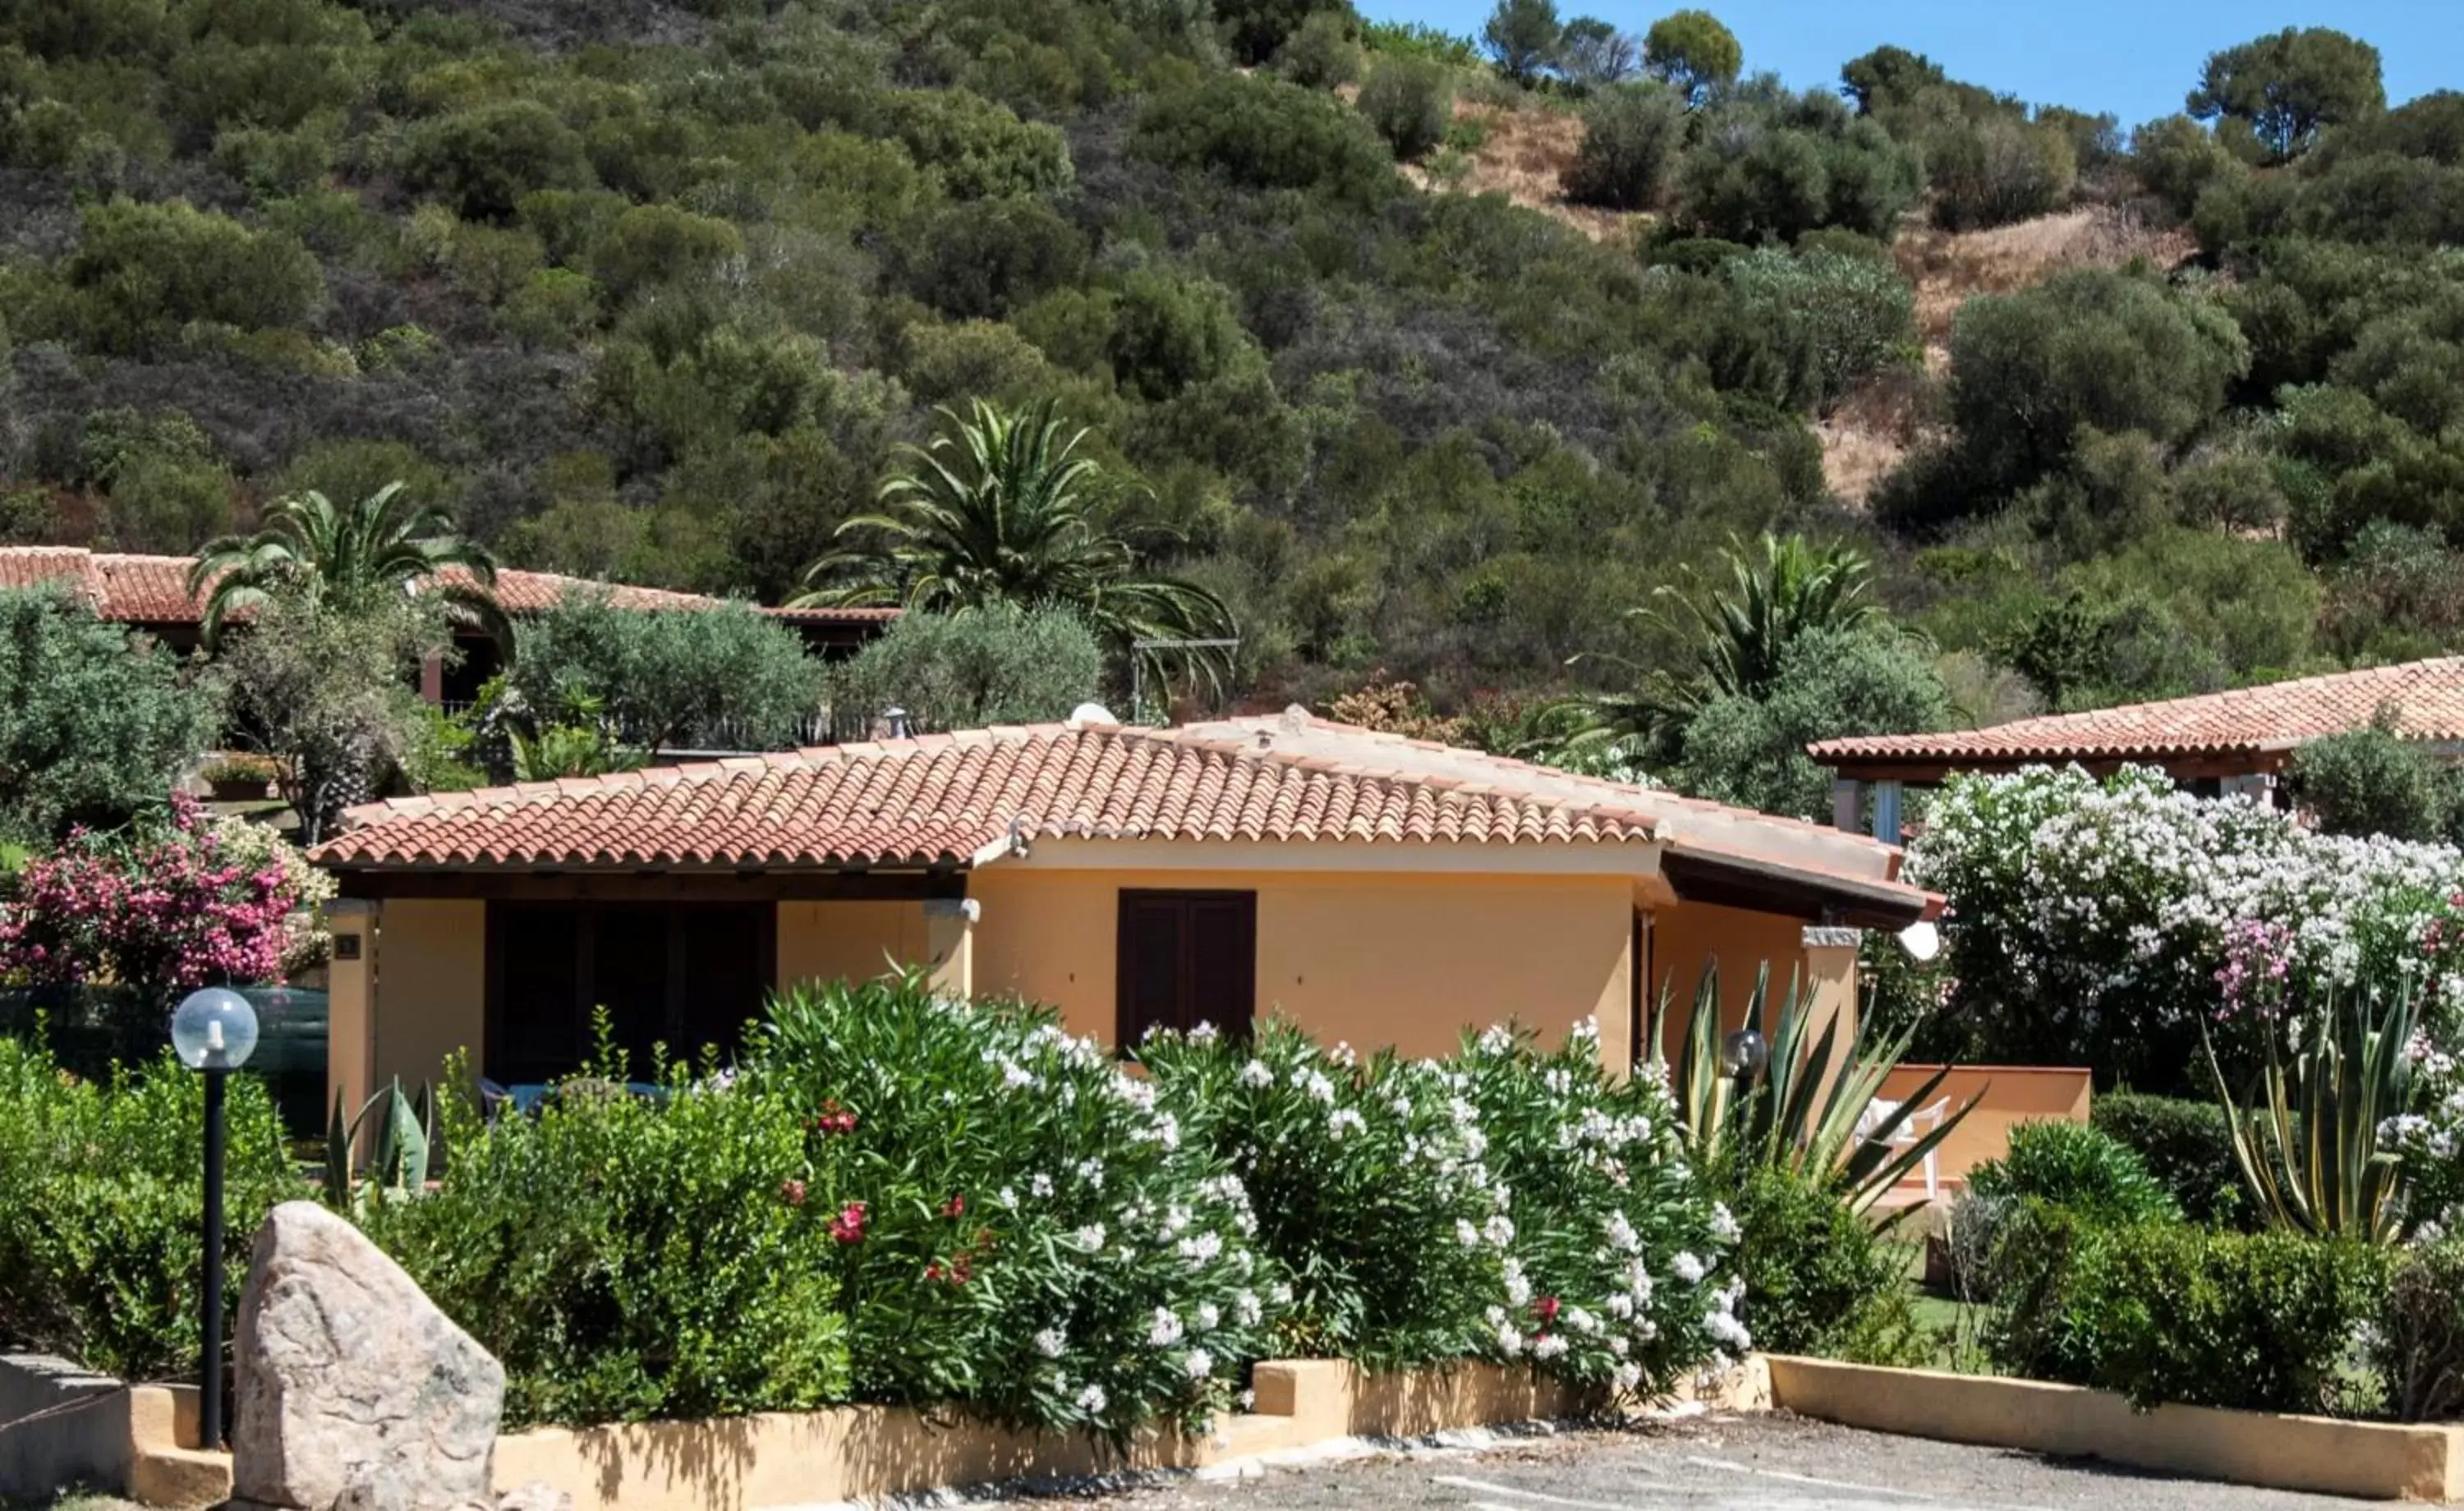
<point>164,907</point>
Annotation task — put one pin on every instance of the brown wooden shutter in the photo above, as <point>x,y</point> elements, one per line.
<point>1186,958</point>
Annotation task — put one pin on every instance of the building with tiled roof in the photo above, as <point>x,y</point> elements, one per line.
<point>2235,741</point>
<point>151,593</point>
<point>1380,891</point>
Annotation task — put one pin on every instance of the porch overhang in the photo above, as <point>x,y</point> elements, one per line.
<point>693,885</point>
<point>1727,879</point>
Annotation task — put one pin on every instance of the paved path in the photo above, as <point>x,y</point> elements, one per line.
<point>1762,1463</point>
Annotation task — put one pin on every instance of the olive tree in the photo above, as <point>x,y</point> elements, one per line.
<point>93,725</point>
<point>726,676</point>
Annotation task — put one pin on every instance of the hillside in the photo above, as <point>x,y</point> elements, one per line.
<point>1422,362</point>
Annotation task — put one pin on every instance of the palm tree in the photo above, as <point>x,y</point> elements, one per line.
<point>1001,509</point>
<point>385,542</point>
<point>1741,630</point>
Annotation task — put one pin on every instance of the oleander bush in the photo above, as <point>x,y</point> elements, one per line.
<point>630,1257</point>
<point>1016,1224</point>
<point>100,1196</point>
<point>2167,1311</point>
<point>1504,1203</point>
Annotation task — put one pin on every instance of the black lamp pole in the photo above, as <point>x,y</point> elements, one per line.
<point>209,1383</point>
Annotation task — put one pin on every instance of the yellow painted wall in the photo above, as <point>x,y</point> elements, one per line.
<point>431,987</point>
<point>1407,960</point>
<point>848,941</point>
<point>1687,936</point>
<point>2005,1096</point>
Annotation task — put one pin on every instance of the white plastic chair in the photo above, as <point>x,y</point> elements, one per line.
<point>1912,1129</point>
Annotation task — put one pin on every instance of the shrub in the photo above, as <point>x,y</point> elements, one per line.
<point>1631,137</point>
<point>1774,170</point>
<point>1817,1280</point>
<point>162,908</point>
<point>652,244</point>
<point>1321,54</point>
<point>725,678</point>
<point>99,1203</point>
<point>2421,1334</point>
<point>484,159</point>
<point>980,149</point>
<point>91,726</point>
<point>1018,1226</point>
<point>2371,781</point>
<point>143,271</point>
<point>974,667</point>
<point>2176,158</point>
<point>1173,331</point>
<point>1500,1204</point>
<point>1998,170</point>
<point>2184,1145</point>
<point>983,259</point>
<point>1266,133</point>
<point>629,1258</point>
<point>2078,1168</point>
<point>1411,102</point>
<point>1819,321</point>
<point>2087,347</point>
<point>1830,683</point>
<point>2164,1312</point>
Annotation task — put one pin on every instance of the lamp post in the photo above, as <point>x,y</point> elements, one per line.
<point>213,1031</point>
<point>1743,1055</point>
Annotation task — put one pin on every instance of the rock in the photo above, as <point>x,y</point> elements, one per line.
<point>355,1393</point>
<point>535,1496</point>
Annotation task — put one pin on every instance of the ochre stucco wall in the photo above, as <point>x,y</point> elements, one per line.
<point>2005,1095</point>
<point>431,987</point>
<point>1684,939</point>
<point>1407,960</point>
<point>848,941</point>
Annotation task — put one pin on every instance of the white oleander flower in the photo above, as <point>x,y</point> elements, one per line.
<point>1053,1343</point>
<point>1199,1363</point>
<point>1688,1268</point>
<point>1165,1330</point>
<point>1091,1400</point>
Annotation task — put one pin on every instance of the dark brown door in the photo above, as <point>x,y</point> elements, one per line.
<point>1187,958</point>
<point>683,974</point>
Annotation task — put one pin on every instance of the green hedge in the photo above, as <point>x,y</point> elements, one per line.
<point>2167,1311</point>
<point>1819,1280</point>
<point>2186,1145</point>
<point>2082,1169</point>
<point>101,1201</point>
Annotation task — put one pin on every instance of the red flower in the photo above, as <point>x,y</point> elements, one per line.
<point>933,1271</point>
<point>955,1207</point>
<point>792,1193</point>
<point>1546,1309</point>
<point>847,1227</point>
<point>835,1119</point>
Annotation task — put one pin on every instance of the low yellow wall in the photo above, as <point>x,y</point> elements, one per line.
<point>2377,1460</point>
<point>2005,1095</point>
<point>430,987</point>
<point>746,1463</point>
<point>1409,960</point>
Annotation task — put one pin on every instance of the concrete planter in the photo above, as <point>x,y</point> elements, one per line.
<point>2375,1460</point>
<point>145,1445</point>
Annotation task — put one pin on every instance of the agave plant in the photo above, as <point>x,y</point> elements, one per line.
<point>1808,1112</point>
<point>404,1143</point>
<point>2307,1136</point>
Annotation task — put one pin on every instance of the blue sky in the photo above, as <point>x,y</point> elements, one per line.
<point>2134,57</point>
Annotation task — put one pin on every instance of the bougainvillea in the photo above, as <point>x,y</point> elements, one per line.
<point>2119,923</point>
<point>166,906</point>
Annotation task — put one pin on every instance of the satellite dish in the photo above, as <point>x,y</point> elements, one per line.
<point>1091,714</point>
<point>1922,940</point>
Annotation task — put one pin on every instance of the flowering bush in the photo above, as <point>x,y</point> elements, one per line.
<point>1016,1224</point>
<point>631,1258</point>
<point>1503,1204</point>
<point>100,1204</point>
<point>164,907</point>
<point>2109,923</point>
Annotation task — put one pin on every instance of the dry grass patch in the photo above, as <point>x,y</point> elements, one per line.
<point>1948,269</point>
<point>1870,431</point>
<point>1524,156</point>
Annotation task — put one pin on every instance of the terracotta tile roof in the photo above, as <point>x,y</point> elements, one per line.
<point>809,615</point>
<point>153,590</point>
<point>2429,695</point>
<point>957,800</point>
<point>123,588</point>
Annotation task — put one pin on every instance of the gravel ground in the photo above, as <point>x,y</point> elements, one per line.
<point>1772,1462</point>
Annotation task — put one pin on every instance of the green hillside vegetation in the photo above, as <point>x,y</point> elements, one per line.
<point>663,292</point>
